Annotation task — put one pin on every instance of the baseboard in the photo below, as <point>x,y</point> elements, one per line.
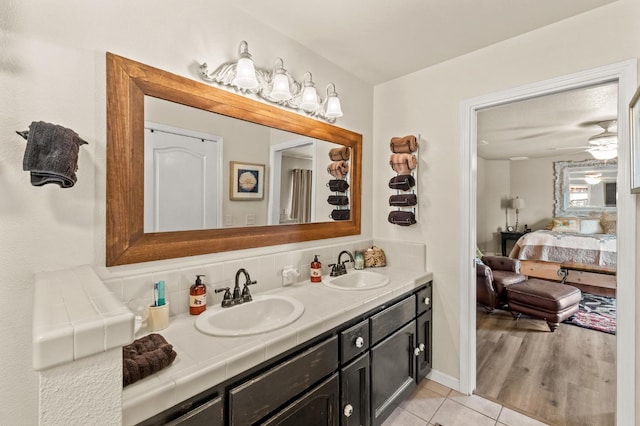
<point>444,379</point>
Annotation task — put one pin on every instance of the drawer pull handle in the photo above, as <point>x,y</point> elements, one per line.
<point>359,342</point>
<point>427,301</point>
<point>348,410</point>
<point>421,347</point>
<point>416,352</point>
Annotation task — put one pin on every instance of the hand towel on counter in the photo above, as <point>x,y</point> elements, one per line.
<point>145,356</point>
<point>402,182</point>
<point>340,154</point>
<point>338,169</point>
<point>404,145</point>
<point>51,154</point>
<point>403,163</point>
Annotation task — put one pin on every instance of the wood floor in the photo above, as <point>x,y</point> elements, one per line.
<point>562,378</point>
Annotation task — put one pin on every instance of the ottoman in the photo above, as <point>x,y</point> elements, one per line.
<point>552,302</point>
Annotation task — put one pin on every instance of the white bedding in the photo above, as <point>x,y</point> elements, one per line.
<point>552,246</point>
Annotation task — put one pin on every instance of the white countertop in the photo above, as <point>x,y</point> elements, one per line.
<point>205,361</point>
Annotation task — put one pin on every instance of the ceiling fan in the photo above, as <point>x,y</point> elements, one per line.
<point>604,145</point>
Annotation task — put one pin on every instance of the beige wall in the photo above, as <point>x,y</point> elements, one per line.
<point>429,100</point>
<point>52,68</point>
<point>493,191</point>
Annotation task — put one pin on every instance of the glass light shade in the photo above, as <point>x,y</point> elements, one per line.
<point>333,107</point>
<point>281,90</point>
<point>604,152</point>
<point>592,180</point>
<point>309,98</point>
<point>245,74</point>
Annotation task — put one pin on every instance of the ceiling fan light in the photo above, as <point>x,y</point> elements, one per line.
<point>604,152</point>
<point>593,180</point>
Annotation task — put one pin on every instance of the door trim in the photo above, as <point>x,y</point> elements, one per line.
<point>625,73</point>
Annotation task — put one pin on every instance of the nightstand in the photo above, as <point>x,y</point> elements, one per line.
<point>505,236</point>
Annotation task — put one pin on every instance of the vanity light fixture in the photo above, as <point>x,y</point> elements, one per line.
<point>309,101</point>
<point>332,107</point>
<point>274,85</point>
<point>280,89</point>
<point>245,70</point>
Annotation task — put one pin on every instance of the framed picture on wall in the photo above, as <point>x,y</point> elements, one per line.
<point>634,141</point>
<point>246,181</point>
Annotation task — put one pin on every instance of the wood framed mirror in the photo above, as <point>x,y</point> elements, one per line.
<point>128,82</point>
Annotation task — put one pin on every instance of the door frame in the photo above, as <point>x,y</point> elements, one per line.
<point>625,73</point>
<point>275,160</point>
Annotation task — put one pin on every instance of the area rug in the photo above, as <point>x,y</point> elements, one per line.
<point>596,313</point>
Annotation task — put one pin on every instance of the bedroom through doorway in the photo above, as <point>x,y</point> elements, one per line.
<point>538,182</point>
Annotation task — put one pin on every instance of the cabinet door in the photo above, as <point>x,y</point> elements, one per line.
<point>354,388</point>
<point>319,407</point>
<point>393,369</point>
<point>425,329</point>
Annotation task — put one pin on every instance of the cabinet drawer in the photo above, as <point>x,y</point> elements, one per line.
<point>253,400</point>
<point>354,341</point>
<point>392,318</point>
<point>208,414</point>
<point>423,303</point>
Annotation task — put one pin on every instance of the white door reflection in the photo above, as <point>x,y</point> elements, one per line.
<point>182,179</point>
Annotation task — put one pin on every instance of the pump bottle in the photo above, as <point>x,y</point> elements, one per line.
<point>316,270</point>
<point>197,297</point>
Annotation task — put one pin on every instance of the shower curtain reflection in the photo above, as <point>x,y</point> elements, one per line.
<point>300,195</point>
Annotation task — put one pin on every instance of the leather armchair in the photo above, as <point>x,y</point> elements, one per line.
<point>492,278</point>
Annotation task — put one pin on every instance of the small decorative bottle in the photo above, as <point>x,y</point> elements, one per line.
<point>316,270</point>
<point>197,297</point>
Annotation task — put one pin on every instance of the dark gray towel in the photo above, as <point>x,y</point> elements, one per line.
<point>51,154</point>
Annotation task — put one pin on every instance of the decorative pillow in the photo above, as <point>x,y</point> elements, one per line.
<point>565,224</point>
<point>590,226</point>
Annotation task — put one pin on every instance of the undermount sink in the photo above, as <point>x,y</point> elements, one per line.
<point>356,280</point>
<point>265,313</point>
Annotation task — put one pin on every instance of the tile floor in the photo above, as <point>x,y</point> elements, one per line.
<point>432,403</point>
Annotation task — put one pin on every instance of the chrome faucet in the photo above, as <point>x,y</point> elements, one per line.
<point>339,268</point>
<point>239,296</point>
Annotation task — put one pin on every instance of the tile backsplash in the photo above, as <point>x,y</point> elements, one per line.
<point>136,289</point>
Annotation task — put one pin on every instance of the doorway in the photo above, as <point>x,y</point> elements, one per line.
<point>625,74</point>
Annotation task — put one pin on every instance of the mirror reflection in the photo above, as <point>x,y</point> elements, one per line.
<point>191,156</point>
<point>585,187</point>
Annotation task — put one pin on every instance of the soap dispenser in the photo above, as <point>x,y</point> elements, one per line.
<point>197,297</point>
<point>316,270</point>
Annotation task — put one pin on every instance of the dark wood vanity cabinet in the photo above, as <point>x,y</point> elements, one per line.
<point>355,375</point>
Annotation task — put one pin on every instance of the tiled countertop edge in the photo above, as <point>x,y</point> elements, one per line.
<point>75,316</point>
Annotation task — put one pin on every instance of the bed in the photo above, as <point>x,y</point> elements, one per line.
<point>585,260</point>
